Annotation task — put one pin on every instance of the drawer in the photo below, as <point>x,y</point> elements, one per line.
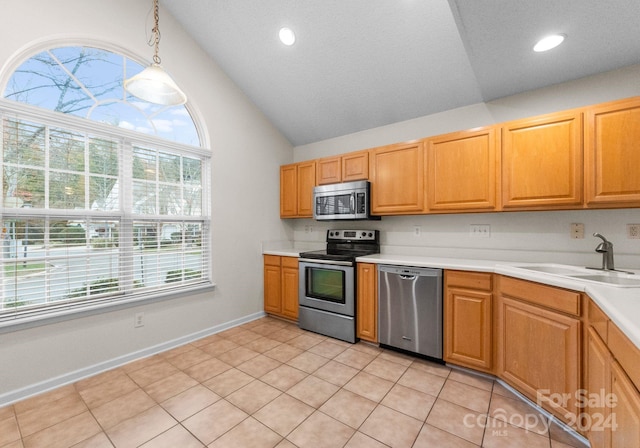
<point>470,280</point>
<point>598,320</point>
<point>625,352</point>
<point>272,260</point>
<point>289,262</point>
<point>548,296</point>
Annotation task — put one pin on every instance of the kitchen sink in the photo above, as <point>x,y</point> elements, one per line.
<point>557,269</point>
<point>610,278</point>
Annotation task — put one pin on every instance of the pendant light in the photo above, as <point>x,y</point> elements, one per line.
<point>153,84</point>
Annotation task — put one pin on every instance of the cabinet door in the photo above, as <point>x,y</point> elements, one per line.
<point>272,284</point>
<point>306,182</point>
<point>290,287</point>
<point>288,191</point>
<point>627,410</point>
<point>539,353</point>
<point>329,170</point>
<point>542,162</point>
<point>398,179</point>
<point>462,171</point>
<point>355,166</point>
<point>598,382</point>
<point>367,302</point>
<point>467,325</point>
<point>612,153</point>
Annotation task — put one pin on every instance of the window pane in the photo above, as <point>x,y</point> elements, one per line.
<point>103,156</point>
<point>169,168</point>
<point>66,191</point>
<point>103,193</point>
<point>66,150</point>
<point>144,198</point>
<point>144,164</point>
<point>25,187</point>
<point>23,143</point>
<point>170,202</point>
<point>192,201</point>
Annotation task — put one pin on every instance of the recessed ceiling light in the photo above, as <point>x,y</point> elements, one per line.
<point>549,42</point>
<point>287,36</point>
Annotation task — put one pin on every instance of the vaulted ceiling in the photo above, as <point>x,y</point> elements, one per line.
<point>360,64</point>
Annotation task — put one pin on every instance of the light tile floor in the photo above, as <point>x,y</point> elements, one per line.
<point>269,384</point>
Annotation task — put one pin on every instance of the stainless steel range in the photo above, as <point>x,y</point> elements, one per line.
<point>327,290</point>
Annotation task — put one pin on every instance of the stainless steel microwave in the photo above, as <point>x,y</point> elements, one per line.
<point>348,200</point>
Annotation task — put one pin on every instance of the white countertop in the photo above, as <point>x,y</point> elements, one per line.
<point>621,304</point>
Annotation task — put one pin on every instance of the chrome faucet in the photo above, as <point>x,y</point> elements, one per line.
<point>606,249</point>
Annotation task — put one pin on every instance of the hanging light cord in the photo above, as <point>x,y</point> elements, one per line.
<point>154,40</point>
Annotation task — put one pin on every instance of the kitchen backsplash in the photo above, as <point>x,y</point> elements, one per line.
<point>512,236</point>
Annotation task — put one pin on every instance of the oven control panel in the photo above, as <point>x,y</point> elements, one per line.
<point>352,235</point>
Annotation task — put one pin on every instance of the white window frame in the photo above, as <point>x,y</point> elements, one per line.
<point>13,110</point>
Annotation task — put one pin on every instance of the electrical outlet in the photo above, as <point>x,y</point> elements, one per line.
<point>308,228</point>
<point>480,230</point>
<point>138,320</point>
<point>577,231</point>
<point>417,231</point>
<point>633,231</point>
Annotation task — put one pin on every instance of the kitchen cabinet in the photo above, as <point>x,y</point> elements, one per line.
<point>281,286</point>
<point>612,153</point>
<point>397,179</point>
<point>612,363</point>
<point>329,170</point>
<point>468,320</point>
<point>463,171</point>
<point>345,168</point>
<point>296,189</point>
<point>355,166</point>
<point>539,353</point>
<point>367,302</point>
<point>542,162</point>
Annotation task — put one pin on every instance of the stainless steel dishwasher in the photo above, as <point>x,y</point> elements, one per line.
<point>410,305</point>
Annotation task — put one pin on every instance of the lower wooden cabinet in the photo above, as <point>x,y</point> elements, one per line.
<point>367,302</point>
<point>539,350</point>
<point>613,412</point>
<point>281,286</point>
<point>468,322</point>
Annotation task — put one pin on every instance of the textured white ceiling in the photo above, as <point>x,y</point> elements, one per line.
<point>360,64</point>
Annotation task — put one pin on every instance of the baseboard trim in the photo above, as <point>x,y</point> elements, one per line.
<point>71,377</point>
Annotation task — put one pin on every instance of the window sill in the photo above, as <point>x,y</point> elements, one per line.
<point>90,309</point>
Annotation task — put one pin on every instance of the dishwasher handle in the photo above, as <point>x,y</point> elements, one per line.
<point>408,277</point>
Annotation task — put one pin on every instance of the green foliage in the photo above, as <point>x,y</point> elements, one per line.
<point>100,286</point>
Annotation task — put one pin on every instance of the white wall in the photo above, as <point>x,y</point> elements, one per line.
<point>247,152</point>
<point>526,236</point>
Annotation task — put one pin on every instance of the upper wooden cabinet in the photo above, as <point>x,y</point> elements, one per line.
<point>612,153</point>
<point>462,171</point>
<point>355,166</point>
<point>397,179</point>
<point>542,162</point>
<point>296,189</point>
<point>345,168</point>
<point>289,191</point>
<point>329,170</point>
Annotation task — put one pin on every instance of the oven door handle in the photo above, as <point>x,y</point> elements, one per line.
<point>333,262</point>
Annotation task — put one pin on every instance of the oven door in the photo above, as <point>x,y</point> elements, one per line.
<point>327,285</point>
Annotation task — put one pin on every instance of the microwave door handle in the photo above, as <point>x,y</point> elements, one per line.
<point>352,203</point>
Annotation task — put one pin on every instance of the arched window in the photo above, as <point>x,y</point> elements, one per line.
<point>104,196</point>
<point>88,82</point>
